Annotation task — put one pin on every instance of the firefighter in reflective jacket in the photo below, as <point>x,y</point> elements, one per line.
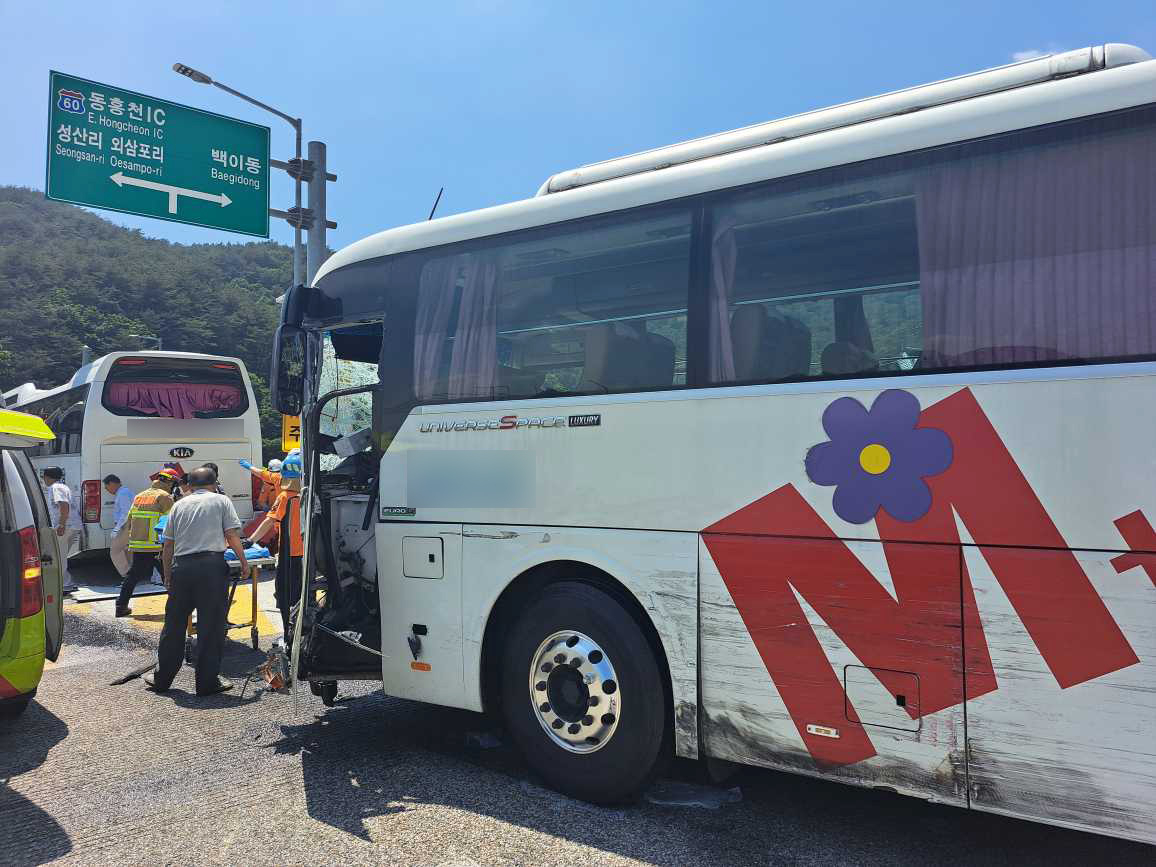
<point>286,515</point>
<point>147,508</point>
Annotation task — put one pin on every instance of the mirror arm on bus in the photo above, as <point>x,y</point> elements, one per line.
<point>293,306</point>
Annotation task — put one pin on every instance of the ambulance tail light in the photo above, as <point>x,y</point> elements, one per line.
<point>90,508</point>
<point>31,593</point>
<point>256,486</point>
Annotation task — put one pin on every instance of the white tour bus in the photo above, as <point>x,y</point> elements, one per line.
<point>128,413</point>
<point>824,445</point>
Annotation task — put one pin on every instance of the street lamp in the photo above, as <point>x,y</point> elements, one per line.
<point>295,122</point>
<point>143,337</point>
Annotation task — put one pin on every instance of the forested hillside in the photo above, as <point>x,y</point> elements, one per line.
<point>69,277</point>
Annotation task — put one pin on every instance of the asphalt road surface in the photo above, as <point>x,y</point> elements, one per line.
<point>115,774</point>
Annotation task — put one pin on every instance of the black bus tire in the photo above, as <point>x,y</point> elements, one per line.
<point>621,767</point>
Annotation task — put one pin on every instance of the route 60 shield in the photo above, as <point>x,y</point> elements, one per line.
<point>70,101</point>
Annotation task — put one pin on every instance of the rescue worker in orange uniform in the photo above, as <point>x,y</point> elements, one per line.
<point>147,508</point>
<point>271,483</point>
<point>286,514</point>
<point>270,488</point>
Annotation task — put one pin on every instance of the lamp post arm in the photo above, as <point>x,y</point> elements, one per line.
<point>295,122</point>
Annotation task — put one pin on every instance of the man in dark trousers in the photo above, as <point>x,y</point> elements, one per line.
<point>200,526</point>
<point>286,514</point>
<point>148,507</point>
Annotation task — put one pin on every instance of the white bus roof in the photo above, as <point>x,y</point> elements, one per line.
<point>1031,93</point>
<point>1013,75</point>
<point>96,370</point>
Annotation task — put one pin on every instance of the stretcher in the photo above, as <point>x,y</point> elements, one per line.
<point>254,573</point>
<point>254,568</point>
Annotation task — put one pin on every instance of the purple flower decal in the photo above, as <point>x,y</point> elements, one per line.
<point>878,458</point>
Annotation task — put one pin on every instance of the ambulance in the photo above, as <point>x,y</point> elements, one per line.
<point>31,605</point>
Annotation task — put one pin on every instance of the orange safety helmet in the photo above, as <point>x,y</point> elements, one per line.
<point>167,473</point>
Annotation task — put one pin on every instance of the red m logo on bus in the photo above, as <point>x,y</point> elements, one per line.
<point>779,546</point>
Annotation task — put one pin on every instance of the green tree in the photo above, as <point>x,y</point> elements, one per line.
<point>69,278</point>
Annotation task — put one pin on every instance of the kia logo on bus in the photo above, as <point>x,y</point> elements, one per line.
<point>181,452</point>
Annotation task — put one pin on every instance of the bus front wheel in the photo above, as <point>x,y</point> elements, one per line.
<point>582,694</point>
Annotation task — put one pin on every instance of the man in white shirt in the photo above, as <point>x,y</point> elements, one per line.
<point>64,512</point>
<point>122,504</point>
<point>200,527</point>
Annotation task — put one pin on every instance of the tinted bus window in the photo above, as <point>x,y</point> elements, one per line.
<point>1031,248</point>
<point>64,414</point>
<point>598,309</point>
<point>175,388</point>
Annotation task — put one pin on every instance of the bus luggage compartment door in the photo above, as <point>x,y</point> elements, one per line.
<point>421,611</point>
<point>845,657</point>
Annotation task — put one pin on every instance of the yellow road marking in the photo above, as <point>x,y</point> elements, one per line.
<point>149,611</point>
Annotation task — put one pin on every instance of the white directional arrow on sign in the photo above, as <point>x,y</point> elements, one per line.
<point>120,178</point>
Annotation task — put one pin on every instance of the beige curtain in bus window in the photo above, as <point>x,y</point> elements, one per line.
<point>723,258</point>
<point>464,363</point>
<point>1041,254</point>
<point>435,305</point>
<point>474,363</point>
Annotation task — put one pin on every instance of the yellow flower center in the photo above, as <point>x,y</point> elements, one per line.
<point>875,459</point>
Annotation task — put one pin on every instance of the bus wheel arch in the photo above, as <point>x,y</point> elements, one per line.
<point>533,581</point>
<point>535,584</point>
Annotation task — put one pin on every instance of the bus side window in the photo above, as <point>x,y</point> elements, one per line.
<point>597,309</point>
<point>64,414</point>
<point>815,279</point>
<point>991,252</point>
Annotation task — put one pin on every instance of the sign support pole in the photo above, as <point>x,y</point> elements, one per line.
<point>316,251</point>
<point>298,252</point>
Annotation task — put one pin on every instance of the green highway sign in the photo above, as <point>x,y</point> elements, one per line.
<point>120,150</point>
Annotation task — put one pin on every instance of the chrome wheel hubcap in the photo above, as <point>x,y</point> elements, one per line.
<point>574,692</point>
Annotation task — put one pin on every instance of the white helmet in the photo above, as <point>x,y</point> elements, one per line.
<point>274,466</point>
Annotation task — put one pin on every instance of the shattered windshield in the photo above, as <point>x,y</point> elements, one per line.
<point>346,363</point>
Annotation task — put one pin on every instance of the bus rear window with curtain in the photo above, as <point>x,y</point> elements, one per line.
<point>175,388</point>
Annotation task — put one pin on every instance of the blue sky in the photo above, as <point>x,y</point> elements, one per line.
<point>488,97</point>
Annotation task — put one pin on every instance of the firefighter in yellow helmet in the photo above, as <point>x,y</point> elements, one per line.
<point>147,508</point>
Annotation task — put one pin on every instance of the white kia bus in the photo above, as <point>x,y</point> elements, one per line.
<point>825,445</point>
<point>128,413</point>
